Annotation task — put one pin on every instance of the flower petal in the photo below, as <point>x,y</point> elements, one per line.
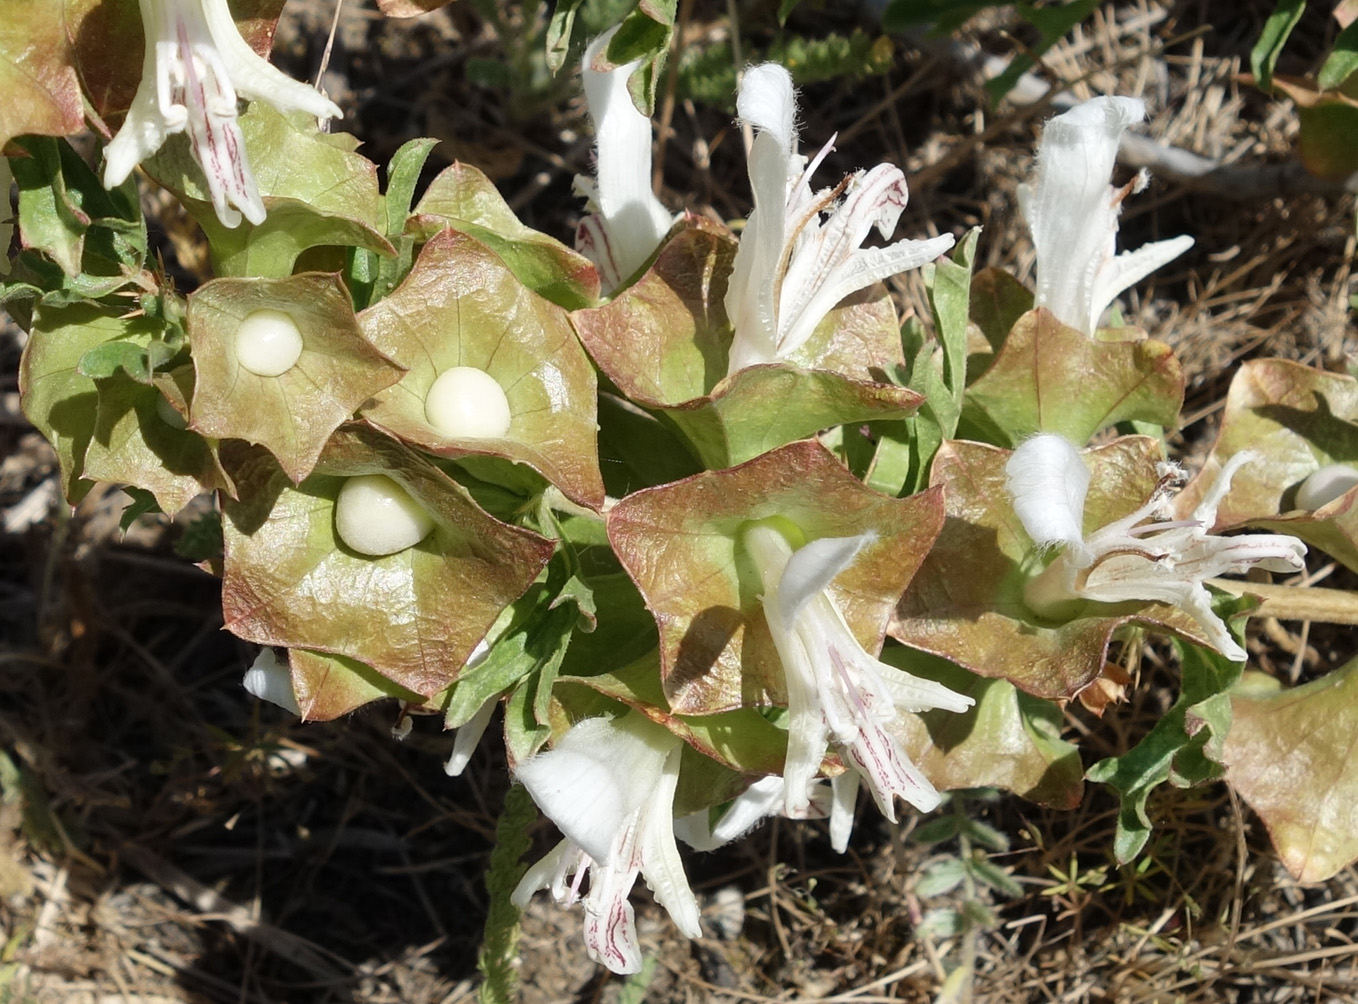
<point>633,220</point>
<point>270,680</point>
<point>812,568</point>
<point>1048,480</point>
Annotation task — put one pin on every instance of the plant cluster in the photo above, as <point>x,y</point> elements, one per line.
<point>721,538</point>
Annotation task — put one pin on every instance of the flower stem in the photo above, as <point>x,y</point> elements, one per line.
<point>1296,603</point>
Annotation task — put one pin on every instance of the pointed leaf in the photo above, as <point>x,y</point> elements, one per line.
<point>413,616</point>
<point>679,544</point>
<point>1183,747</point>
<point>463,198</point>
<point>1291,757</point>
<point>664,342</point>
<point>1296,420</point>
<point>292,414</point>
<point>461,306</point>
<point>1007,739</point>
<point>966,603</point>
<point>1051,378</point>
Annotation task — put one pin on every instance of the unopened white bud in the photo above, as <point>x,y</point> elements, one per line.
<point>268,343</point>
<point>1326,485</point>
<point>376,516</point>
<point>466,403</point>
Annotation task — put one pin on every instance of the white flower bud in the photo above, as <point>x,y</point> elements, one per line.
<point>376,516</point>
<point>466,403</point>
<point>268,343</point>
<point>1326,485</point>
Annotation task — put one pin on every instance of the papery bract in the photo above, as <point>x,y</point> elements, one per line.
<point>1072,213</point>
<point>792,268</point>
<point>1131,559</point>
<point>195,67</point>
<point>608,784</point>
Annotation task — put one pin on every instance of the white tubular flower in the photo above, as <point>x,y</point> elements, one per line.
<point>270,680</point>
<point>765,798</point>
<point>627,221</point>
<point>1072,213</point>
<point>609,786</point>
<point>1131,559</point>
<point>195,68</point>
<point>836,691</point>
<point>792,267</point>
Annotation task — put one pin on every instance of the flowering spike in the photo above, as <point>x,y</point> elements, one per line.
<point>1072,213</point>
<point>194,68</point>
<point>791,269</point>
<point>1130,559</point>
<point>627,222</point>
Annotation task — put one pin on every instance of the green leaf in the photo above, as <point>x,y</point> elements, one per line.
<point>1052,378</point>
<point>1007,739</point>
<point>1181,748</point>
<point>1264,55</point>
<point>559,31</point>
<point>133,444</point>
<point>1052,23</point>
<point>989,873</point>
<point>644,35</point>
<point>317,191</point>
<point>463,198</point>
<point>290,581</point>
<point>785,8</point>
<point>944,15</point>
<point>462,306</point>
<point>56,396</point>
<point>936,831</point>
<point>941,878</point>
<point>1342,62</point>
<point>292,414</point>
<point>142,504</point>
<point>948,282</point>
<point>966,603</point>
<point>1328,146</point>
<point>679,543</point>
<point>1291,756</point>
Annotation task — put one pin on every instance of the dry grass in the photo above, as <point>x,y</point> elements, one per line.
<point>163,839</point>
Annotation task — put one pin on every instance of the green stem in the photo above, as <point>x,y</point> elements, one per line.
<point>500,942</point>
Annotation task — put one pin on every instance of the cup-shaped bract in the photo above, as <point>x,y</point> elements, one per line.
<point>413,616</point>
<point>1296,420</point>
<point>967,601</point>
<point>681,544</point>
<point>291,414</point>
<point>461,306</point>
